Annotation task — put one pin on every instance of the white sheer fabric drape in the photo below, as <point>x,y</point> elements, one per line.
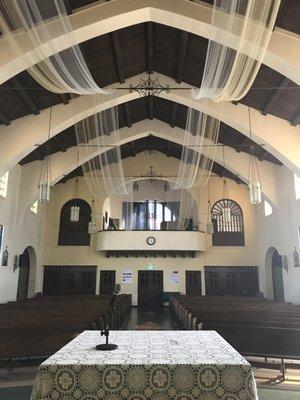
<point>41,29</point>
<point>228,75</point>
<point>98,140</point>
<point>231,70</point>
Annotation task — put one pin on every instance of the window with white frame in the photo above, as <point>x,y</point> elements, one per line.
<point>3,185</point>
<point>34,207</point>
<point>268,208</point>
<point>297,186</point>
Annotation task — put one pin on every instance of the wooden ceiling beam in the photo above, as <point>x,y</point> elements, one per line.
<point>182,56</point>
<point>263,155</point>
<point>4,119</point>
<point>150,48</point>
<point>38,154</point>
<point>59,144</point>
<point>273,100</point>
<point>132,149</point>
<point>118,56</point>
<point>174,114</point>
<point>63,98</point>
<point>150,107</point>
<point>68,7</point>
<point>296,118</point>
<point>242,146</point>
<point>24,96</point>
<point>127,115</point>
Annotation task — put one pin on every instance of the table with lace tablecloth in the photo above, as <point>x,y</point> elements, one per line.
<point>159,365</point>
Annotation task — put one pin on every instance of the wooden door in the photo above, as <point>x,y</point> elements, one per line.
<point>23,280</point>
<point>193,282</point>
<point>278,288</point>
<point>150,289</point>
<point>69,280</point>
<point>107,281</point>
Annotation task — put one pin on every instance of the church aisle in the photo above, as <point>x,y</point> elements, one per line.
<point>149,319</point>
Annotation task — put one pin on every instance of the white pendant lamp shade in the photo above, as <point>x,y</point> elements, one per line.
<point>44,192</point>
<point>255,192</point>
<point>74,213</point>
<point>226,214</point>
<point>44,185</point>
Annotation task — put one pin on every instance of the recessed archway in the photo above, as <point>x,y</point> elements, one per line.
<point>274,277</point>
<point>27,274</point>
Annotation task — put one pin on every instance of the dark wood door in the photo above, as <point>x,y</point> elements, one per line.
<point>107,281</point>
<point>193,282</point>
<point>69,280</point>
<point>231,281</point>
<point>150,289</point>
<point>278,287</point>
<point>23,280</point>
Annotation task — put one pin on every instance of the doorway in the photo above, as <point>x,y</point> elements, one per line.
<point>193,282</point>
<point>277,278</point>
<point>107,281</point>
<point>150,289</point>
<point>23,280</point>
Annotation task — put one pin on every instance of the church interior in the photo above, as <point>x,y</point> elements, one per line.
<point>149,197</point>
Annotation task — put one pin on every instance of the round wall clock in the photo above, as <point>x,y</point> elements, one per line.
<point>151,240</point>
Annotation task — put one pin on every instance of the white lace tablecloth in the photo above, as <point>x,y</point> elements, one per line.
<point>159,365</point>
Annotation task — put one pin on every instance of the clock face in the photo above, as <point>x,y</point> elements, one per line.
<point>151,240</point>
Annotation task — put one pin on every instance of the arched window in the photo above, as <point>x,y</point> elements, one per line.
<point>74,233</point>
<point>227,218</point>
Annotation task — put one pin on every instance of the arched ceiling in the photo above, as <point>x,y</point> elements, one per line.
<point>154,144</point>
<point>153,47</point>
<point>117,56</point>
<point>162,109</point>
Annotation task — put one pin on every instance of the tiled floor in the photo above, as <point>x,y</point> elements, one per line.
<point>143,319</point>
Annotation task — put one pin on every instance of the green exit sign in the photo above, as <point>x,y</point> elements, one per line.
<point>150,267</point>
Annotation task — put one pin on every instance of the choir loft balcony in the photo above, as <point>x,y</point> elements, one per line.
<point>121,243</point>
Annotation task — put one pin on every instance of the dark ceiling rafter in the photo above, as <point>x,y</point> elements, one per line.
<point>182,56</point>
<point>118,56</point>
<point>153,143</point>
<point>127,115</point>
<point>174,114</point>
<point>242,146</point>
<point>25,96</point>
<point>296,118</point>
<point>273,100</point>
<point>64,98</point>
<point>150,48</point>
<point>150,107</point>
<point>4,119</point>
<point>68,7</point>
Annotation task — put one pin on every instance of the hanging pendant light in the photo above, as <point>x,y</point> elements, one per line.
<point>226,212</point>
<point>135,186</point>
<point>209,224</point>
<point>44,185</point>
<point>92,227</point>
<point>255,187</point>
<point>75,209</point>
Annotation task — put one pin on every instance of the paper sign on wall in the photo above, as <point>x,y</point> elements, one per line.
<point>127,276</point>
<point>174,277</point>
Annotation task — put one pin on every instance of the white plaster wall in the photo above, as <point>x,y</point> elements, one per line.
<point>87,255</point>
<point>22,228</point>
<point>281,231</point>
